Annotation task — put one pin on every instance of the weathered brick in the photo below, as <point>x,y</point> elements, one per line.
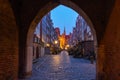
<point>8,43</point>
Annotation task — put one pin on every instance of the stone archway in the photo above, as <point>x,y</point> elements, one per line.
<point>104,13</point>
<point>41,13</point>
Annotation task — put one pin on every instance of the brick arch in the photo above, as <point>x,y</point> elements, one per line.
<point>29,45</point>
<point>51,6</point>
<point>39,16</point>
<point>105,15</point>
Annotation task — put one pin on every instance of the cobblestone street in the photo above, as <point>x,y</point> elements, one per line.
<point>62,67</point>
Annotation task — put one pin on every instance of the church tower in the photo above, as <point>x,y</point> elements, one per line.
<point>62,39</point>
<point>64,31</point>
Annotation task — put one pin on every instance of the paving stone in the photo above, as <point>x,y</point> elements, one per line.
<point>62,67</point>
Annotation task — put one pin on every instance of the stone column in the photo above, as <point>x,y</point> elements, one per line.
<point>29,59</point>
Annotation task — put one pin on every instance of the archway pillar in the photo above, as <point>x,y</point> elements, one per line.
<point>29,60</point>
<point>8,42</point>
<point>100,61</point>
<point>109,48</point>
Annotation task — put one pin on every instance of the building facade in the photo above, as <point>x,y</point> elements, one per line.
<point>63,38</point>
<point>82,33</point>
<point>44,37</point>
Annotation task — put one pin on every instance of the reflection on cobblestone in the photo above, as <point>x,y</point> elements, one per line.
<point>62,67</point>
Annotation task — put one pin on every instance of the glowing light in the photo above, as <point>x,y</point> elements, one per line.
<point>62,41</point>
<point>47,45</point>
<point>56,41</point>
<point>68,45</point>
<point>66,48</point>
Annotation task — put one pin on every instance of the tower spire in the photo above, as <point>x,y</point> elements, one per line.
<point>64,31</point>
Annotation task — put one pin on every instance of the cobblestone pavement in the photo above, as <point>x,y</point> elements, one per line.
<point>62,67</point>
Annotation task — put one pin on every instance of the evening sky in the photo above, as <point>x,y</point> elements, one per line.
<point>63,16</point>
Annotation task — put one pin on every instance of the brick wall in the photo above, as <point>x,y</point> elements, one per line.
<point>109,50</point>
<point>8,43</point>
<point>88,47</point>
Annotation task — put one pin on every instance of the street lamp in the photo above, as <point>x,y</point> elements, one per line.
<point>56,41</point>
<point>55,46</point>
<point>67,46</point>
<point>48,45</point>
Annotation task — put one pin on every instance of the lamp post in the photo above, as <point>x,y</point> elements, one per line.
<point>47,48</point>
<point>56,43</point>
<point>55,46</point>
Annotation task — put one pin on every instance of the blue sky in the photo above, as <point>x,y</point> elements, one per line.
<point>63,16</point>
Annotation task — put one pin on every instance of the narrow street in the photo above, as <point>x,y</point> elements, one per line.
<point>63,67</point>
